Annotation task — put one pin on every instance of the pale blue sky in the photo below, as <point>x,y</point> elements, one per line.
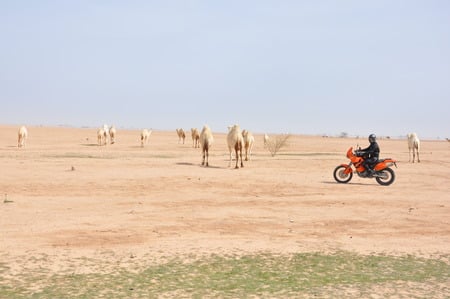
<point>307,67</point>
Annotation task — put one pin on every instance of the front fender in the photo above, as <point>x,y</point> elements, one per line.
<point>348,168</point>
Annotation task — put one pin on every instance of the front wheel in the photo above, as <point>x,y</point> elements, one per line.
<point>385,177</point>
<point>340,176</point>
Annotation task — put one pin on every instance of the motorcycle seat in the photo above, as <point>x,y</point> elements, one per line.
<point>382,160</point>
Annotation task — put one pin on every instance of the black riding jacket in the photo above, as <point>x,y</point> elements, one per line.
<point>372,151</point>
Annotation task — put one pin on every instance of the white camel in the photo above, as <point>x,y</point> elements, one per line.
<point>101,136</point>
<point>266,140</point>
<point>22,136</point>
<point>235,141</point>
<point>249,140</point>
<point>106,132</point>
<point>206,140</point>
<point>145,135</point>
<point>414,146</point>
<point>112,134</point>
<point>195,137</point>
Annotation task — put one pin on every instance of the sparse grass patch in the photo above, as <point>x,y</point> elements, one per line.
<point>259,275</point>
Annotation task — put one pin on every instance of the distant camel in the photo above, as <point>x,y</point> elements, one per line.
<point>101,136</point>
<point>22,136</point>
<point>414,146</point>
<point>195,137</point>
<point>181,135</point>
<point>145,135</point>
<point>106,132</point>
<point>112,134</point>
<point>266,140</point>
<point>248,143</point>
<point>206,140</point>
<point>235,141</point>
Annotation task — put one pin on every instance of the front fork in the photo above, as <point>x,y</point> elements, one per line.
<point>348,168</point>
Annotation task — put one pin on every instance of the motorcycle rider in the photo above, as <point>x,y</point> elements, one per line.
<point>370,154</point>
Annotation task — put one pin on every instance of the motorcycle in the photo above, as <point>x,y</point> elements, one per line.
<point>383,174</point>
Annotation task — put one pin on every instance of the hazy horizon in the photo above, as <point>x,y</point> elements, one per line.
<point>302,67</point>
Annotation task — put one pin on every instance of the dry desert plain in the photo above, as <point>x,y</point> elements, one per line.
<point>65,197</point>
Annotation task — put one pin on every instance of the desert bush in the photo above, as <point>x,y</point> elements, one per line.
<point>276,143</point>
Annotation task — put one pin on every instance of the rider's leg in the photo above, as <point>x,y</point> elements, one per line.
<point>368,163</point>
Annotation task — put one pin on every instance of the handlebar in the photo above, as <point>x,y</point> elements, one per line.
<point>358,153</point>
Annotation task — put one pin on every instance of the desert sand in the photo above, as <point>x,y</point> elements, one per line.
<point>65,197</point>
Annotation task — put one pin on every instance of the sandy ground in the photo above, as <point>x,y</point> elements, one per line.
<point>65,197</point>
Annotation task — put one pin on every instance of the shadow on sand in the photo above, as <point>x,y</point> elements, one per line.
<point>197,164</point>
<point>349,183</point>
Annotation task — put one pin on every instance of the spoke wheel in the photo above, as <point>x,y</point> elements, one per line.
<point>385,177</point>
<point>340,176</point>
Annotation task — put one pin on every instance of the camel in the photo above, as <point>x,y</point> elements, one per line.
<point>206,140</point>
<point>414,146</point>
<point>22,136</point>
<point>181,135</point>
<point>145,135</point>
<point>235,141</point>
<point>101,136</point>
<point>106,132</point>
<point>248,143</point>
<point>195,137</point>
<point>112,134</point>
<point>266,140</point>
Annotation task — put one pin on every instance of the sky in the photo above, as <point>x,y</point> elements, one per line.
<point>300,67</point>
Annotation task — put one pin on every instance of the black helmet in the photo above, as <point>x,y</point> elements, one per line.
<point>372,138</point>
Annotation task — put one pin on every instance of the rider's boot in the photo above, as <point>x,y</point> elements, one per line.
<point>370,171</point>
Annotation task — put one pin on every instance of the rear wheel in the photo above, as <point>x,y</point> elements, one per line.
<point>385,177</point>
<point>340,176</point>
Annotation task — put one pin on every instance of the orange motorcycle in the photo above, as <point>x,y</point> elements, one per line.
<point>383,174</point>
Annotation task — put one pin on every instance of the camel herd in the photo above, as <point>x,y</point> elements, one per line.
<point>105,133</point>
<point>237,140</point>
